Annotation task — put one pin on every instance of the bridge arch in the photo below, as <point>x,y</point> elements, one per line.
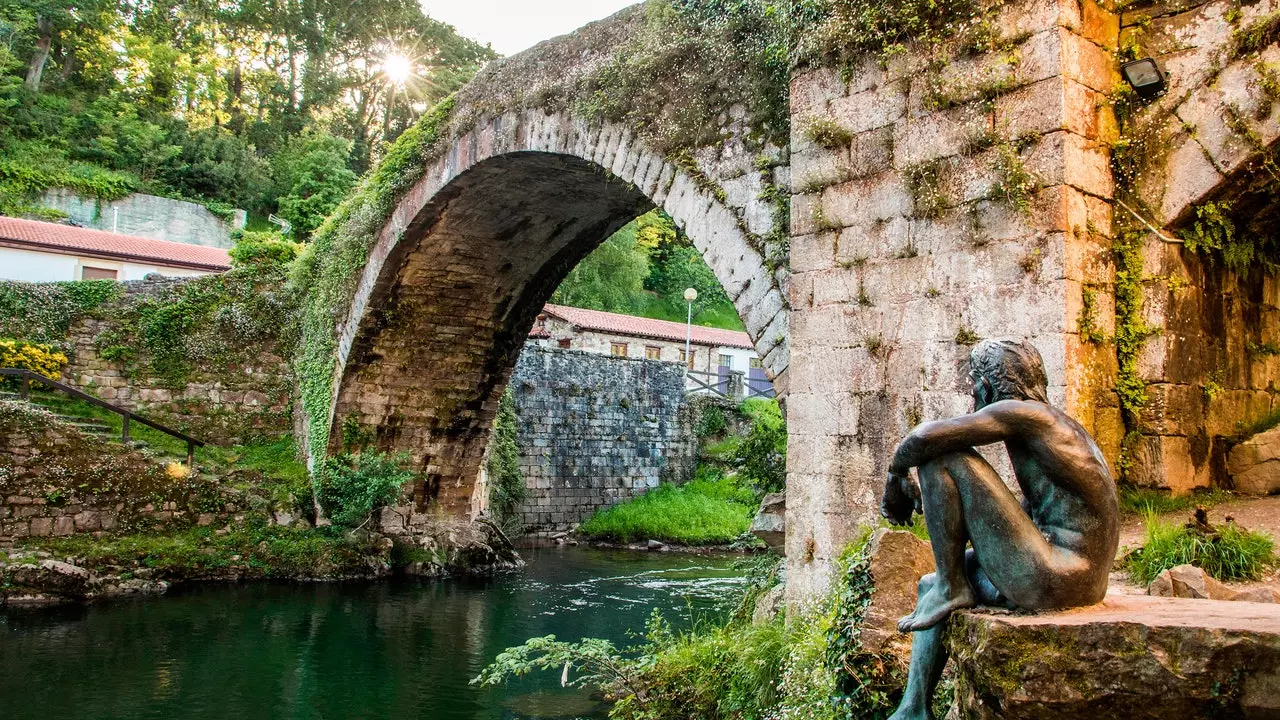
<point>455,278</point>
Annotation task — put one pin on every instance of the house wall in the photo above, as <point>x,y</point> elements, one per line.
<point>33,266</point>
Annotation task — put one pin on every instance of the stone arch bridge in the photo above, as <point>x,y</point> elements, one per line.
<point>914,205</point>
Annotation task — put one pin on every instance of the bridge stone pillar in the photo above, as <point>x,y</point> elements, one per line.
<point>971,200</point>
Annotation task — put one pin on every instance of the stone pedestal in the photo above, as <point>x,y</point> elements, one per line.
<point>1130,657</point>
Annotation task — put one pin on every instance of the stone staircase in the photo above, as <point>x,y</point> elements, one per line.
<point>72,412</point>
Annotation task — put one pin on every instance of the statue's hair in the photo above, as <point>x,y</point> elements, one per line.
<point>1012,367</point>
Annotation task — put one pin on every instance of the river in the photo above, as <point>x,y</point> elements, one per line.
<point>395,649</point>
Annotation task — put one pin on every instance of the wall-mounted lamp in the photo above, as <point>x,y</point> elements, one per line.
<point>1144,76</point>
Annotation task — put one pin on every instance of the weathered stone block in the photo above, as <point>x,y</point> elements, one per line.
<point>1130,656</point>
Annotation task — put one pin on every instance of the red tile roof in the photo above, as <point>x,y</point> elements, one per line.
<point>70,240</point>
<point>646,327</point>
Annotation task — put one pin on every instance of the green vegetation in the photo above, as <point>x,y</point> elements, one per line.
<point>1257,35</point>
<point>841,32</point>
<point>1227,553</point>
<point>1215,234</point>
<point>811,666</point>
<point>708,510</point>
<point>506,482</point>
<point>350,487</point>
<point>43,312</point>
<point>828,133</point>
<point>262,248</point>
<point>256,550</point>
<point>716,507</point>
<point>229,104</point>
<point>1145,501</point>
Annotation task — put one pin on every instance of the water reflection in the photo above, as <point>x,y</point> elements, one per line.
<point>403,650</point>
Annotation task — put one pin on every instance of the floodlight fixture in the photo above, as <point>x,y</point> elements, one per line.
<point>1145,77</point>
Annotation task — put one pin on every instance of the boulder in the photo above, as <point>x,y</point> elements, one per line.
<point>53,577</point>
<point>898,560</point>
<point>770,523</point>
<point>1254,465</point>
<point>1131,656</point>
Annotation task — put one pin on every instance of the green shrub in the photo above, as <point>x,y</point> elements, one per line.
<point>40,359</point>
<point>762,455</point>
<point>506,482</point>
<point>263,248</point>
<point>708,510</point>
<point>1232,553</point>
<point>351,487</point>
<point>710,422</point>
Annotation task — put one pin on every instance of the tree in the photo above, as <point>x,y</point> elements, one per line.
<point>312,177</point>
<point>611,278</point>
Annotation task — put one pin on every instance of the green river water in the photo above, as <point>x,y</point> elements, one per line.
<point>380,650</point>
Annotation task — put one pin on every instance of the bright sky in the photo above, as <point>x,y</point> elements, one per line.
<point>514,25</point>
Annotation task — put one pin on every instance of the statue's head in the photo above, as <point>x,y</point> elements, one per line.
<point>1006,369</point>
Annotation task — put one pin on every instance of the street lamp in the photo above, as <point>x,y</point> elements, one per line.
<point>690,295</point>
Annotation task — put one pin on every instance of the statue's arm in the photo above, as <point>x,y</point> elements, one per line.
<point>995,423</point>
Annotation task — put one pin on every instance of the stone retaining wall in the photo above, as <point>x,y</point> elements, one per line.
<point>55,480</point>
<point>217,402</point>
<point>595,430</point>
<point>148,216</point>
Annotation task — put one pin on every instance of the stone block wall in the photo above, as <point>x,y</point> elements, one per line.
<point>595,430</point>
<point>1210,366</point>
<point>220,400</point>
<point>148,216</point>
<point>55,481</point>
<point>1210,371</point>
<point>970,200</point>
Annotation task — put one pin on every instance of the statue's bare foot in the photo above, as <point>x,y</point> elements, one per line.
<point>934,607</point>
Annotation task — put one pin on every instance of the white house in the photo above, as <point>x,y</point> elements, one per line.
<point>35,251</point>
<point>713,353</point>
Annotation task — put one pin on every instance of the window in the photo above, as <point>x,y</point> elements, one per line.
<point>618,349</point>
<point>688,359</point>
<point>95,273</point>
<point>726,361</point>
<point>653,352</point>
<point>755,362</point>
<point>565,342</point>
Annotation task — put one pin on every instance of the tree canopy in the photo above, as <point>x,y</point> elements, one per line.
<point>224,102</point>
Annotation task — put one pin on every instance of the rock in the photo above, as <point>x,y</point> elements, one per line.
<point>1258,595</point>
<point>280,517</point>
<point>770,523</point>
<point>655,545</point>
<point>769,604</point>
<point>1131,656</point>
<point>1254,465</point>
<point>1190,582</point>
<point>53,577</point>
<point>898,560</point>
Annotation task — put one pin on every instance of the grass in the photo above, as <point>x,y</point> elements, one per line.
<point>709,510</point>
<point>261,550</point>
<point>1233,553</point>
<point>1262,425</point>
<point>1142,501</point>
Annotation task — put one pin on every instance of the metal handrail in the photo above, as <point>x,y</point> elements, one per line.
<point>128,415</point>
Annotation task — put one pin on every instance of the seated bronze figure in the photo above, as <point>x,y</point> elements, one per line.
<point>1052,550</point>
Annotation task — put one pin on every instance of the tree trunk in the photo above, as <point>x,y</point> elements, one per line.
<point>44,41</point>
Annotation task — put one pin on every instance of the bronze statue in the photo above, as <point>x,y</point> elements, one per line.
<point>1052,550</point>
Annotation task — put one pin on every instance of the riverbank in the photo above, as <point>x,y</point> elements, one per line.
<point>87,568</point>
